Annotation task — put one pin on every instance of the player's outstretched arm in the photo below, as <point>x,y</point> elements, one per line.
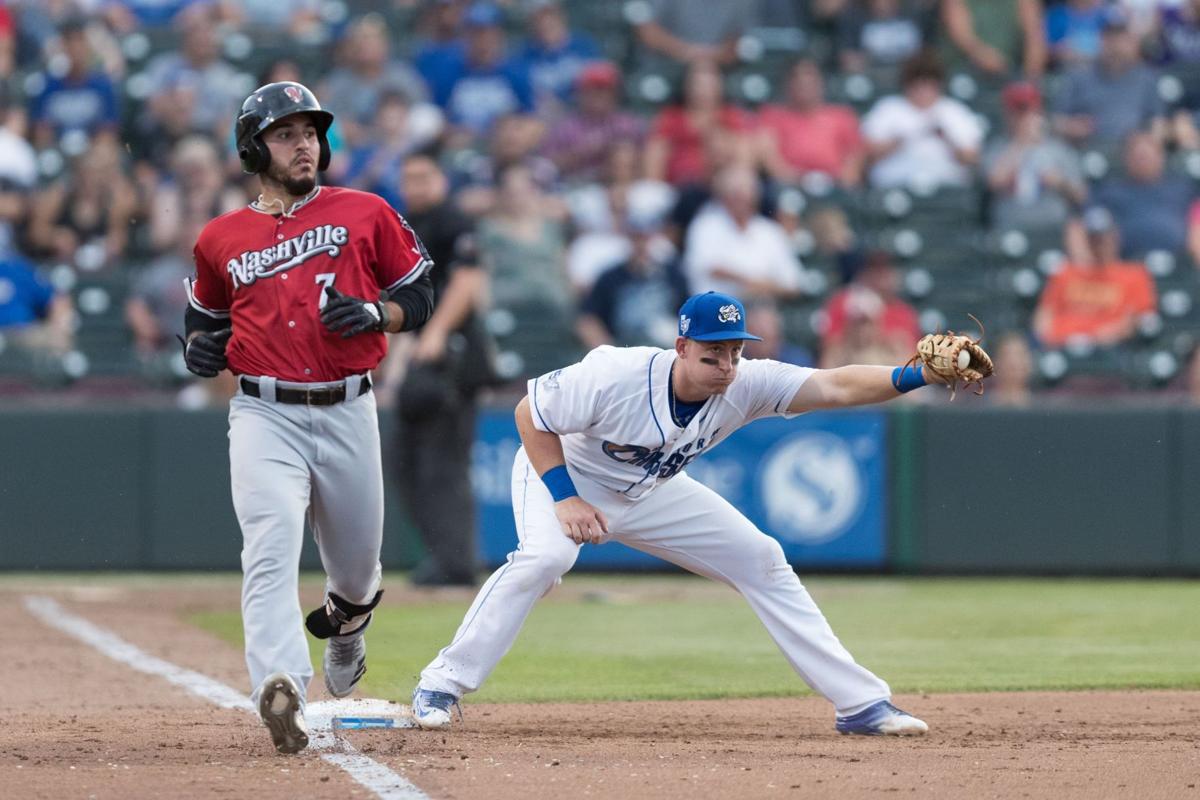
<point>582,522</point>
<point>855,385</point>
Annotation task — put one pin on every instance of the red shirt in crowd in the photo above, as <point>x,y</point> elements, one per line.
<point>687,161</point>
<point>820,140</point>
<point>896,317</point>
<point>267,273</point>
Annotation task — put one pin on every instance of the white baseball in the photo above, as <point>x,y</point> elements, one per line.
<point>964,359</point>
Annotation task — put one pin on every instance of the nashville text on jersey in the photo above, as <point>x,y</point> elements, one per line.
<point>254,264</point>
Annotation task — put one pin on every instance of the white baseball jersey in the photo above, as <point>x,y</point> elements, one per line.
<point>613,413</point>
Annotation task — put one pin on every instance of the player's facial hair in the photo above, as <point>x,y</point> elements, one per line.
<point>296,187</point>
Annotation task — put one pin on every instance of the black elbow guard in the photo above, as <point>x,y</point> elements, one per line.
<point>416,299</point>
<point>197,321</point>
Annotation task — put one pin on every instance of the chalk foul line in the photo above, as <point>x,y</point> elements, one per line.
<point>378,778</point>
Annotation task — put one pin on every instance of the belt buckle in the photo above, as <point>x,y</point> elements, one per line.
<point>324,392</point>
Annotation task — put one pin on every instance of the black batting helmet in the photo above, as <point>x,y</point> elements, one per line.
<point>269,104</point>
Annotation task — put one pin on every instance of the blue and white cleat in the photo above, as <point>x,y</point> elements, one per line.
<point>882,719</point>
<point>431,709</point>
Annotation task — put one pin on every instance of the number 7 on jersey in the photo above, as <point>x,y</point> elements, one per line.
<point>324,279</point>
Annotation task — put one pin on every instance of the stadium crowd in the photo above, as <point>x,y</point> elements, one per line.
<point>859,171</point>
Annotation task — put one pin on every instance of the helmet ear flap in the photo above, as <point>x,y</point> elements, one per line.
<point>254,155</point>
<point>325,154</point>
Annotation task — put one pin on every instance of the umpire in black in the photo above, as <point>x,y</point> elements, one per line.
<point>436,403</point>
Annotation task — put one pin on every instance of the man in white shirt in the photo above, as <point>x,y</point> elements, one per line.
<point>605,446</point>
<point>921,138</point>
<point>731,248</point>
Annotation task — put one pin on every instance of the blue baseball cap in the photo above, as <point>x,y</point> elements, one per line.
<point>713,317</point>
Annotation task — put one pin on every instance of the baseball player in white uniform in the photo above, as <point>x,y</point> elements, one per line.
<point>605,445</point>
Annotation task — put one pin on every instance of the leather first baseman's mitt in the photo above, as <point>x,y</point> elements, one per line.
<point>949,358</point>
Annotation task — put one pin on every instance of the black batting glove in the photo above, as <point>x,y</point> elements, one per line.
<point>353,315</point>
<point>204,354</point>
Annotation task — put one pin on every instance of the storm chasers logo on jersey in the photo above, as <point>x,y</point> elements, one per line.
<point>652,460</point>
<point>254,264</point>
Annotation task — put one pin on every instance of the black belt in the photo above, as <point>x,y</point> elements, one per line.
<point>316,396</point>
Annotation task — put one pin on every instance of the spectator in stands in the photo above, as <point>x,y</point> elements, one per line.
<point>807,134</point>
<point>732,248</point>
<point>18,174</point>
<point>196,77</point>
<point>440,41</point>
<point>864,339</point>
<point>366,71</point>
<point>8,42</point>
<point>1098,298</point>
<point>1014,371</point>
<point>879,33</point>
<point>921,137</point>
<point>1103,102</point>
<point>1036,179</point>
<point>127,16</point>
<point>556,56</point>
<point>374,164</point>
<point>482,84</point>
<point>514,141</point>
<point>834,240</point>
<point>768,325</point>
<point>522,243</point>
<point>279,70</point>
<point>995,37</point>
<point>597,211</point>
<point>582,143</point>
<point>677,31</point>
<point>80,102</point>
<point>688,142</point>
<point>84,217</point>
<point>1150,205</point>
<point>1073,31</point>
<point>158,299</point>
<point>1177,33</point>
<point>193,192</point>
<point>868,312</point>
<point>299,20</point>
<point>34,317</point>
<point>636,301</point>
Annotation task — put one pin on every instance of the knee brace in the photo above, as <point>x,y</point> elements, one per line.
<point>340,617</point>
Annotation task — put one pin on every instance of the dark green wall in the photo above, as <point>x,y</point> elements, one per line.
<point>1038,491</point>
<point>1051,491</point>
<point>133,489</point>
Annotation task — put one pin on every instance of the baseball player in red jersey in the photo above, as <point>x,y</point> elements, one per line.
<point>294,294</point>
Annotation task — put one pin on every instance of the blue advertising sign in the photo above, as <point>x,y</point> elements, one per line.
<point>816,483</point>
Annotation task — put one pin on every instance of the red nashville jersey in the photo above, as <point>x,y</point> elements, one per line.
<point>267,274</point>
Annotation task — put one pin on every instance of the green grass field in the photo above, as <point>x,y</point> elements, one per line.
<point>674,637</point>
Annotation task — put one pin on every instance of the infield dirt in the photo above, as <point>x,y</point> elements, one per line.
<point>78,724</point>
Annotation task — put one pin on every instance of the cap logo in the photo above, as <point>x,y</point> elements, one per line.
<point>293,93</point>
<point>729,313</point>
<point>685,322</point>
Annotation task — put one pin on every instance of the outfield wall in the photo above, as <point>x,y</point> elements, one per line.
<point>913,489</point>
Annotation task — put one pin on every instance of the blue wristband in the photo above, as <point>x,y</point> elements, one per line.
<point>905,379</point>
<point>559,482</point>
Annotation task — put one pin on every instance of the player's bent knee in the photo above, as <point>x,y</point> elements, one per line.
<point>544,569</point>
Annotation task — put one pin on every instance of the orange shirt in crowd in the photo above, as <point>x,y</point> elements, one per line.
<point>1099,303</point>
<point>820,140</point>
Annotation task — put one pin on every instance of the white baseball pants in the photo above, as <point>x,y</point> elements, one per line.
<point>289,463</point>
<point>681,521</point>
